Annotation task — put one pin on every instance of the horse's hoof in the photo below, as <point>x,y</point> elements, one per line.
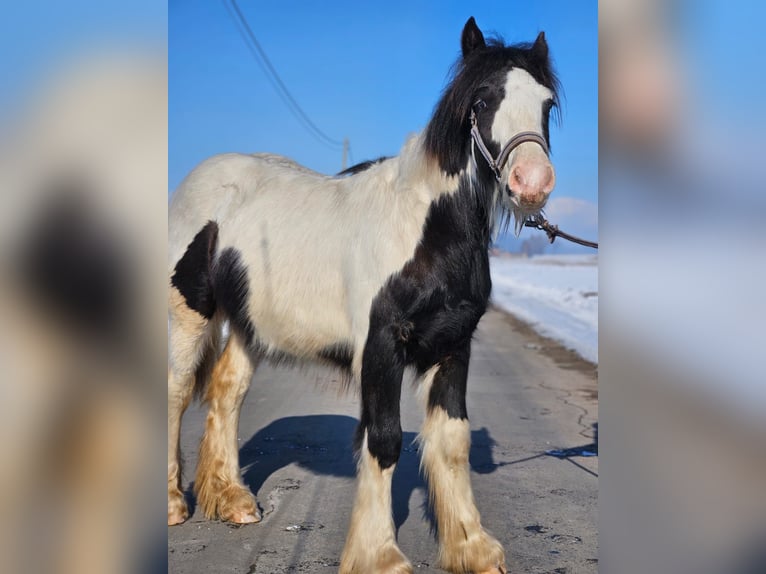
<point>479,554</point>
<point>177,518</point>
<point>237,504</point>
<point>389,560</point>
<point>243,517</point>
<point>392,561</point>
<point>177,510</point>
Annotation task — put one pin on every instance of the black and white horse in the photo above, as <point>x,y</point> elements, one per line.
<point>375,271</point>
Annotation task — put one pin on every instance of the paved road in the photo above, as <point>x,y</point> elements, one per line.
<point>526,396</point>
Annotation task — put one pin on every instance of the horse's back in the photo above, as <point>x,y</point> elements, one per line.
<point>218,189</point>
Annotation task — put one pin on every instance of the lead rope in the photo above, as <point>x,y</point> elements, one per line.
<point>553,231</point>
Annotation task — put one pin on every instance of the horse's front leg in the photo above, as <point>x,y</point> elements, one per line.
<point>371,545</point>
<point>464,545</point>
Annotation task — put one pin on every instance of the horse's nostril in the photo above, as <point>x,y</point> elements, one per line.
<point>533,200</point>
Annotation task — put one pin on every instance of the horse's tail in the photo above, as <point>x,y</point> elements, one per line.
<point>215,285</point>
<point>194,278</point>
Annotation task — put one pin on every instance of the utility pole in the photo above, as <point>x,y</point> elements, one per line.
<point>345,154</point>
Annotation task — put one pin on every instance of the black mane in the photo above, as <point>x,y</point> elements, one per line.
<point>362,166</point>
<point>447,134</point>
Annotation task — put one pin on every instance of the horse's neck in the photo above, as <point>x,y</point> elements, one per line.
<point>415,169</point>
<point>466,198</point>
<point>405,187</point>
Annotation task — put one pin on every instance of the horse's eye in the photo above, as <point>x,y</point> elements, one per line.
<point>479,105</point>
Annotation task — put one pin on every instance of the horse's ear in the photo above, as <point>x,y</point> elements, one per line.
<point>472,38</point>
<point>540,47</point>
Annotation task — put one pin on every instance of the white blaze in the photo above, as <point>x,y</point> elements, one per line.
<point>521,110</point>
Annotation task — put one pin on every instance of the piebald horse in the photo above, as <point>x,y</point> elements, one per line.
<point>374,271</point>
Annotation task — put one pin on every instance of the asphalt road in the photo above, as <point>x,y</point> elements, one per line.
<point>526,395</point>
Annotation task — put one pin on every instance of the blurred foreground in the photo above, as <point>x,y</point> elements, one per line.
<point>83,172</point>
<point>682,205</point>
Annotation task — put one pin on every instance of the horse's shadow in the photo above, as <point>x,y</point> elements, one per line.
<point>322,444</point>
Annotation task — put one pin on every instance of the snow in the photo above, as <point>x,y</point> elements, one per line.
<point>556,294</point>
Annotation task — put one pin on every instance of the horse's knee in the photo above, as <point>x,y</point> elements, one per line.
<point>384,442</point>
<point>447,390</point>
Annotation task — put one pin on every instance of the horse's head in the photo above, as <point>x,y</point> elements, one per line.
<point>499,92</point>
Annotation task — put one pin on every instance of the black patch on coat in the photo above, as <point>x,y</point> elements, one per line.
<point>362,166</point>
<point>193,272</point>
<point>442,292</point>
<point>232,291</point>
<point>340,355</point>
<point>426,315</point>
<point>481,75</point>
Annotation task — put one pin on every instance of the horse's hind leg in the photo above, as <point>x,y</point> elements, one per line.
<point>218,486</point>
<point>189,334</point>
<point>464,545</point>
<point>191,312</point>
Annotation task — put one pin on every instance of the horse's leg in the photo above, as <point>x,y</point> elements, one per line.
<point>464,546</point>
<point>218,486</point>
<point>371,545</point>
<point>188,340</point>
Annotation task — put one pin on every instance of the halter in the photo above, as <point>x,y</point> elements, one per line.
<point>497,165</point>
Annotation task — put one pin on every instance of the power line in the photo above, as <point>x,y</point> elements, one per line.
<point>276,81</point>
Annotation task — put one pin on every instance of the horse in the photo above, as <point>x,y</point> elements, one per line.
<point>374,271</point>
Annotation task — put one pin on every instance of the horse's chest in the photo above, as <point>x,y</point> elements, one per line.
<point>436,301</point>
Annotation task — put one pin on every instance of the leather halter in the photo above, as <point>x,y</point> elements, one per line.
<point>497,165</point>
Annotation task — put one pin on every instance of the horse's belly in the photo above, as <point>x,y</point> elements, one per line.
<point>300,325</point>
<point>298,301</point>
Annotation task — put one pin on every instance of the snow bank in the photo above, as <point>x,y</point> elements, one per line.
<point>556,294</point>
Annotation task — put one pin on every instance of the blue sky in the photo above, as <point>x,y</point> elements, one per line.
<point>362,71</point>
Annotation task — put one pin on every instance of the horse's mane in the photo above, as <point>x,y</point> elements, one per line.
<point>362,166</point>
